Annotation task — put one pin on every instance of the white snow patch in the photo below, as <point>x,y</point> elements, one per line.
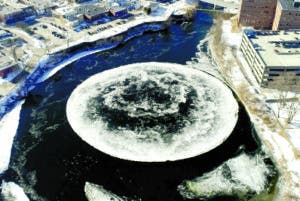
<point>201,61</point>
<point>94,192</point>
<point>3,81</point>
<point>231,39</point>
<point>293,128</point>
<point>254,179</point>
<point>233,1</point>
<point>8,128</point>
<point>12,192</point>
<point>231,10</point>
<point>237,176</point>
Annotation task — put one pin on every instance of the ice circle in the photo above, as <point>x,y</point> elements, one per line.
<point>152,112</point>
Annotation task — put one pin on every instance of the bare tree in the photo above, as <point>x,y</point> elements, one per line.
<point>292,111</point>
<point>287,83</point>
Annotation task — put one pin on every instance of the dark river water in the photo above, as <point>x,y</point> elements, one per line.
<point>51,162</point>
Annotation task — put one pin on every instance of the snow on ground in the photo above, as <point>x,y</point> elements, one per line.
<point>201,61</point>
<point>231,39</point>
<point>231,10</point>
<point>94,192</point>
<point>233,1</point>
<point>282,147</point>
<point>31,40</point>
<point>231,178</point>
<point>8,129</point>
<point>12,192</point>
<point>294,131</point>
<point>293,128</point>
<point>3,81</point>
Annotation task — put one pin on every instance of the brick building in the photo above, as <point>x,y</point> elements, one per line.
<point>257,13</point>
<point>270,14</point>
<point>287,15</point>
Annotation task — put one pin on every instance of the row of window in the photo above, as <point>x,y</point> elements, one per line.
<point>252,62</point>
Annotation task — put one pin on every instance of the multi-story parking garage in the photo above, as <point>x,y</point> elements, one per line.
<point>271,54</point>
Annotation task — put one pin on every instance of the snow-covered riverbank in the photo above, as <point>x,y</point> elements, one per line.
<point>11,105</point>
<point>274,140</point>
<point>8,128</point>
<point>43,71</point>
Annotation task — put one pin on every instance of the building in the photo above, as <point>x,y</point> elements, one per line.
<point>7,67</point>
<point>10,14</point>
<point>5,34</point>
<point>94,12</point>
<point>128,4</point>
<point>41,6</point>
<point>192,2</point>
<point>78,1</point>
<point>271,54</point>
<point>257,13</point>
<point>66,12</point>
<point>81,1</point>
<point>287,15</point>
<point>118,11</point>
<point>8,64</point>
<point>76,14</point>
<point>270,14</point>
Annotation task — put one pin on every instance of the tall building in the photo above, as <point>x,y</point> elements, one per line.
<point>287,15</point>
<point>257,13</point>
<point>270,14</point>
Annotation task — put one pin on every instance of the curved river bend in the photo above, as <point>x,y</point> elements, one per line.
<point>51,162</point>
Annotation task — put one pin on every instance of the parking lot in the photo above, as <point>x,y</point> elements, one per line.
<point>55,33</point>
<point>50,33</point>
